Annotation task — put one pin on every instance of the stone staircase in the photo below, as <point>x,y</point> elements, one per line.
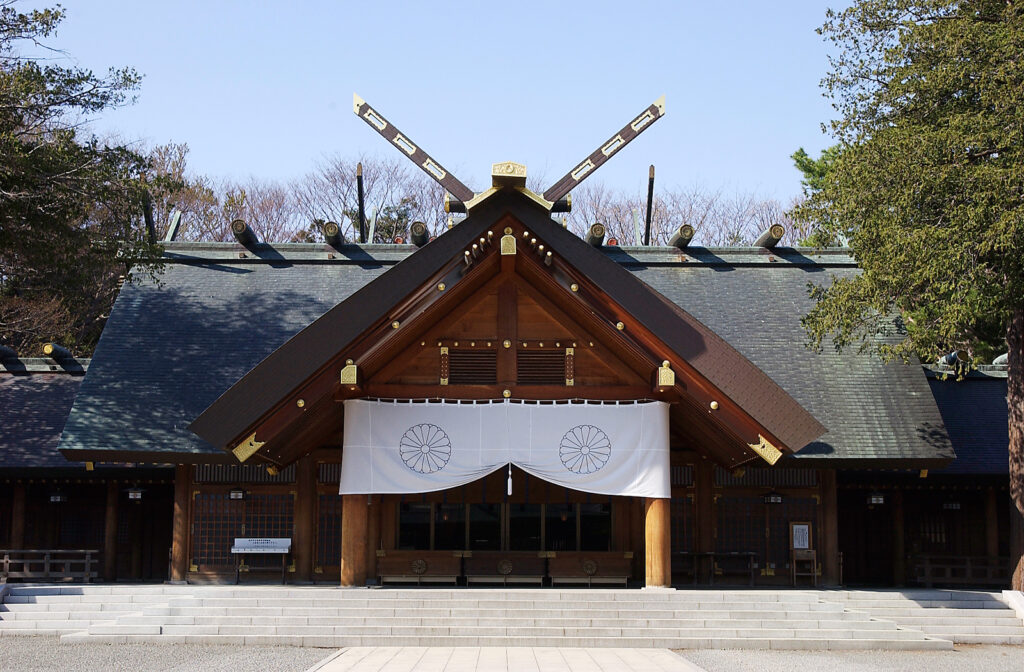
<point>333,617</point>
<point>961,616</point>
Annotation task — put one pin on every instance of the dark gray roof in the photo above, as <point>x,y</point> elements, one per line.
<point>35,398</point>
<point>975,413</point>
<point>754,299</point>
<point>170,349</point>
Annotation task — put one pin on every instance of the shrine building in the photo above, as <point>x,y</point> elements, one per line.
<point>506,403</point>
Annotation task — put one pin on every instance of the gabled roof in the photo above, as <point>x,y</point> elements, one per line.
<point>36,397</point>
<point>976,417</point>
<point>171,349</point>
<point>277,378</point>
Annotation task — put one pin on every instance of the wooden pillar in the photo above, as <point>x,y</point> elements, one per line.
<point>18,516</point>
<point>829,528</point>
<point>304,537</point>
<point>704,483</point>
<point>353,540</point>
<point>658,543</point>
<point>110,534</point>
<point>991,523</point>
<point>372,535</point>
<point>899,560</point>
<point>179,535</point>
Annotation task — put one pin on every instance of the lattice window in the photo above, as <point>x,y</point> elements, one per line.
<point>932,533</point>
<point>472,367</point>
<point>740,525</point>
<point>268,516</point>
<point>682,524</point>
<point>682,475</point>
<point>216,521</point>
<point>242,473</point>
<point>540,367</point>
<point>328,538</point>
<point>82,519</point>
<point>768,477</point>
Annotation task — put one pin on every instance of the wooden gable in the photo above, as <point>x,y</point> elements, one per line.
<point>492,309</point>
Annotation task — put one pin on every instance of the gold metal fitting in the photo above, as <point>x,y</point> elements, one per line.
<point>574,287</point>
<point>508,230</point>
<point>440,287</point>
<point>301,403</point>
<point>395,324</point>
<point>506,343</point>
<point>620,326</point>
<point>506,393</point>
<point>714,405</point>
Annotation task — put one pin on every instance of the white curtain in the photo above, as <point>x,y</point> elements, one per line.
<point>416,446</point>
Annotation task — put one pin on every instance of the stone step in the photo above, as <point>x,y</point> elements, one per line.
<point>336,641</point>
<point>7,617</point>
<point>84,599</point>
<point>942,630</point>
<point>482,631</point>
<point>977,638</point>
<point>475,614</point>
<point>43,627</point>
<point>836,624</point>
<point>926,604</point>
<point>937,620</point>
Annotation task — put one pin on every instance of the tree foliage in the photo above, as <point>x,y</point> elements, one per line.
<point>928,187</point>
<point>929,184</point>
<point>69,203</point>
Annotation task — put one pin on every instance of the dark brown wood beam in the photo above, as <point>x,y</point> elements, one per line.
<point>179,533</point>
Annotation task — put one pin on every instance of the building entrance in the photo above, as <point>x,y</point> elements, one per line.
<point>506,526</point>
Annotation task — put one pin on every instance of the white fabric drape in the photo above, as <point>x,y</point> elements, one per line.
<point>412,447</point>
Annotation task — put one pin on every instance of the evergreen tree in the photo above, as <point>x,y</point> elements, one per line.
<point>70,205</point>
<point>928,187</point>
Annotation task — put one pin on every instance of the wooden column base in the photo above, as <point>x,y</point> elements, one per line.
<point>657,543</point>
<point>179,535</point>
<point>354,519</point>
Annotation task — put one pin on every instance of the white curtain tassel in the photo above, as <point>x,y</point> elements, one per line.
<point>509,479</point>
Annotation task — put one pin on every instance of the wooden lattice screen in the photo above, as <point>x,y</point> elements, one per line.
<point>682,524</point>
<point>328,538</point>
<point>216,521</point>
<point>740,525</point>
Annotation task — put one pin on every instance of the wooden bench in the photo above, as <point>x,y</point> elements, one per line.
<point>419,566</point>
<point>49,564</point>
<point>503,567</point>
<point>262,546</point>
<point>597,568</point>
<point>961,570</point>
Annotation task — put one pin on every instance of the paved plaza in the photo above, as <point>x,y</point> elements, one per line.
<point>39,654</point>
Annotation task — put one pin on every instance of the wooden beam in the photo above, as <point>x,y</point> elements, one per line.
<point>830,528</point>
<point>179,534</point>
<point>899,559</point>
<point>704,482</point>
<point>18,516</point>
<point>304,541</point>
<point>110,534</point>
<point>657,543</point>
<point>508,329</point>
<point>353,540</point>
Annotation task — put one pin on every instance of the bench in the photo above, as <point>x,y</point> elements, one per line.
<point>48,564</point>
<point>262,546</point>
<point>504,567</point>
<point>419,567</point>
<point>961,570</point>
<point>590,569</point>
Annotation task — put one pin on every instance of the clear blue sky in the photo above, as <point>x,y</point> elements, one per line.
<point>265,89</point>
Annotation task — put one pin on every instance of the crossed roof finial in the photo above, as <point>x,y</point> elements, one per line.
<point>508,173</point>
